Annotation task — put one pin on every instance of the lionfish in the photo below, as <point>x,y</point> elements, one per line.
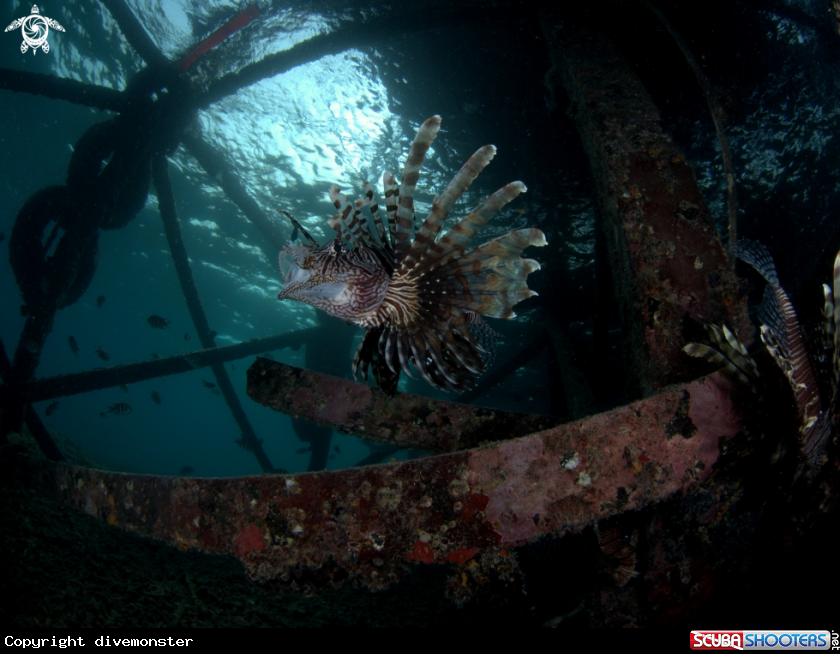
<point>421,300</point>
<point>784,340</point>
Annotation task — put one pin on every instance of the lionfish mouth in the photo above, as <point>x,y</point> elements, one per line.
<point>295,275</point>
<point>307,283</point>
<point>290,267</point>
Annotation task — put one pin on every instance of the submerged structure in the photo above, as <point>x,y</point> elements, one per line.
<point>649,505</point>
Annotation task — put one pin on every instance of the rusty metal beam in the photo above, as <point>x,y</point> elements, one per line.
<point>405,420</point>
<point>667,260</point>
<point>366,523</point>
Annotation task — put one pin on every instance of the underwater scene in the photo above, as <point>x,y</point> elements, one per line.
<point>423,313</point>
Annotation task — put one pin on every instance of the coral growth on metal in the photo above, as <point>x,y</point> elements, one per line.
<point>366,524</point>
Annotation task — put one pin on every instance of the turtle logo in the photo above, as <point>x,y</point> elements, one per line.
<point>35,28</point>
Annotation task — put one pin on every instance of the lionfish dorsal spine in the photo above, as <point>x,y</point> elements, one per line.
<point>358,228</point>
<point>375,215</point>
<point>443,203</point>
<point>340,221</point>
<point>456,241</point>
<point>411,173</point>
<point>392,198</point>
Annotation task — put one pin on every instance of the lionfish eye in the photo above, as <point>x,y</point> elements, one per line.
<point>337,246</point>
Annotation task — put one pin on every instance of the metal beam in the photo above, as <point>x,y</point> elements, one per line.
<point>667,260</point>
<point>404,420</point>
<point>365,524</point>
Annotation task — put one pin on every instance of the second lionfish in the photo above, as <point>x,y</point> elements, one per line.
<point>421,300</point>
<point>786,343</point>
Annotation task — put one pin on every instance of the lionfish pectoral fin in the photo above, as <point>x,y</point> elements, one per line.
<point>368,356</point>
<point>711,355</point>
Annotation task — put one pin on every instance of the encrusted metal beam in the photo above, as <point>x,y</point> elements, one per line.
<point>367,523</point>
<point>667,260</point>
<point>405,420</point>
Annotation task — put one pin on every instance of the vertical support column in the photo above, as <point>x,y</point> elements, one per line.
<point>667,260</point>
<point>166,202</point>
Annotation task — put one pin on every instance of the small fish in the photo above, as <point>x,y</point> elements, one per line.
<point>120,409</point>
<point>186,470</point>
<point>100,301</point>
<point>208,384</point>
<point>31,347</point>
<point>421,299</point>
<point>102,414</point>
<point>102,354</point>
<point>155,355</point>
<point>74,346</point>
<point>124,388</point>
<point>216,391</point>
<point>157,322</point>
<point>304,450</point>
<point>186,336</point>
<point>194,360</point>
<point>337,451</point>
<point>156,397</point>
<point>51,408</point>
<point>248,444</point>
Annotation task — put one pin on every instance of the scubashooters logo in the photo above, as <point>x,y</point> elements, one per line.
<point>754,640</point>
<point>35,29</point>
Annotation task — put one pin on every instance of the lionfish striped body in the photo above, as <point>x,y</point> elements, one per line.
<point>421,299</point>
<point>783,338</point>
